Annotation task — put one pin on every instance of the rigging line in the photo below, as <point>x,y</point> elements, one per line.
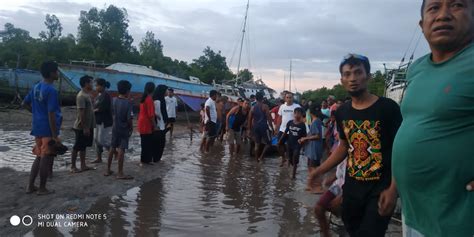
<point>236,43</point>
<point>249,46</point>
<point>411,42</point>
<point>248,51</point>
<point>416,46</point>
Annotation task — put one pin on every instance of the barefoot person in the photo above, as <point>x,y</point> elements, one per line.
<point>235,120</point>
<point>331,200</point>
<point>210,120</point>
<point>161,116</point>
<point>103,118</point>
<point>171,105</point>
<point>259,125</point>
<point>433,159</point>
<point>313,148</point>
<point>122,128</point>
<point>43,103</point>
<point>84,124</point>
<point>286,112</point>
<point>295,131</point>
<point>367,126</point>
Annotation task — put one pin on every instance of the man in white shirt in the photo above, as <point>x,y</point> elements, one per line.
<point>171,104</point>
<point>210,120</point>
<point>286,112</point>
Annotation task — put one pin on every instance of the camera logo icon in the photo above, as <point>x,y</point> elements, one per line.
<point>26,220</point>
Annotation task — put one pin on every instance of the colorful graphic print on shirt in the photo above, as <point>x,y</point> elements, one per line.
<point>365,156</point>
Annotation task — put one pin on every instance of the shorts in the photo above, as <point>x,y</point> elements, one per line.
<point>313,163</point>
<point>171,120</point>
<point>262,136</point>
<point>234,137</point>
<point>102,135</point>
<point>211,129</point>
<point>361,217</point>
<point>326,199</point>
<point>119,141</point>
<point>293,155</point>
<point>280,134</point>
<point>82,141</point>
<point>41,147</point>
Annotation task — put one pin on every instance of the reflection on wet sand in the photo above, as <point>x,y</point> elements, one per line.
<point>206,195</point>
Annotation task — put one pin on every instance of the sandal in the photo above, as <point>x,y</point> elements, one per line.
<point>108,173</point>
<point>125,177</point>
<point>31,190</point>
<point>46,192</point>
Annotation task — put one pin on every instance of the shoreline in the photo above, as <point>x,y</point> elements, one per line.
<point>74,193</point>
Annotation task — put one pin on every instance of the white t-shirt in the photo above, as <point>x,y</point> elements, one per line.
<point>171,104</point>
<point>287,114</point>
<point>160,121</point>
<point>212,110</point>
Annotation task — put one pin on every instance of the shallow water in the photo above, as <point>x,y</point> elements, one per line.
<point>206,195</point>
<point>16,147</point>
<point>198,195</point>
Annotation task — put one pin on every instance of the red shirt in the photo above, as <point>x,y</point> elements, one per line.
<point>146,116</point>
<point>277,118</point>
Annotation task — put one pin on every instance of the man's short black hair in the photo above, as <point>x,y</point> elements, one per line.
<point>353,61</point>
<point>252,96</point>
<point>85,80</point>
<point>123,87</point>
<point>212,93</point>
<point>259,96</point>
<point>315,109</point>
<point>47,68</point>
<point>299,110</point>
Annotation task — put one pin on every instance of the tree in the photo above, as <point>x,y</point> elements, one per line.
<point>115,41</point>
<point>151,51</point>
<point>211,67</point>
<point>54,28</point>
<point>245,75</point>
<point>376,86</point>
<point>15,45</point>
<point>103,34</point>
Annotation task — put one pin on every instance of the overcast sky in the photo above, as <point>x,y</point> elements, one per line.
<point>315,34</point>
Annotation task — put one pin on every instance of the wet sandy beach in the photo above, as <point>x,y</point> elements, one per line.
<point>186,194</point>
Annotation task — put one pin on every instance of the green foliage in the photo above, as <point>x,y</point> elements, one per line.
<point>211,67</point>
<point>245,75</point>
<point>54,28</point>
<point>103,37</point>
<point>376,86</point>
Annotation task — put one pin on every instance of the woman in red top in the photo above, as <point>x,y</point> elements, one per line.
<point>146,124</point>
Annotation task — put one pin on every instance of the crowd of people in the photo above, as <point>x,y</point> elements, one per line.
<point>380,152</point>
<point>101,120</point>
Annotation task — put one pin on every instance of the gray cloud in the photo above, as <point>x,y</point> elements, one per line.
<point>316,34</point>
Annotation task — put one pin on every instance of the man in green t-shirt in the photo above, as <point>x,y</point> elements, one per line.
<point>433,159</point>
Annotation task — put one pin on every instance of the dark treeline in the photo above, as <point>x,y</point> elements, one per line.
<point>376,86</point>
<point>103,37</point>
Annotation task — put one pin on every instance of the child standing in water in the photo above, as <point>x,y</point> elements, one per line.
<point>314,145</point>
<point>121,129</point>
<point>295,130</point>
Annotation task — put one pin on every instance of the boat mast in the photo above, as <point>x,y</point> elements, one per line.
<point>242,43</point>
<point>291,62</point>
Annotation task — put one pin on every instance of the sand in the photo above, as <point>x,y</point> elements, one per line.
<point>74,193</point>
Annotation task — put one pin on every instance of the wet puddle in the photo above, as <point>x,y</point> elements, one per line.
<point>201,195</point>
